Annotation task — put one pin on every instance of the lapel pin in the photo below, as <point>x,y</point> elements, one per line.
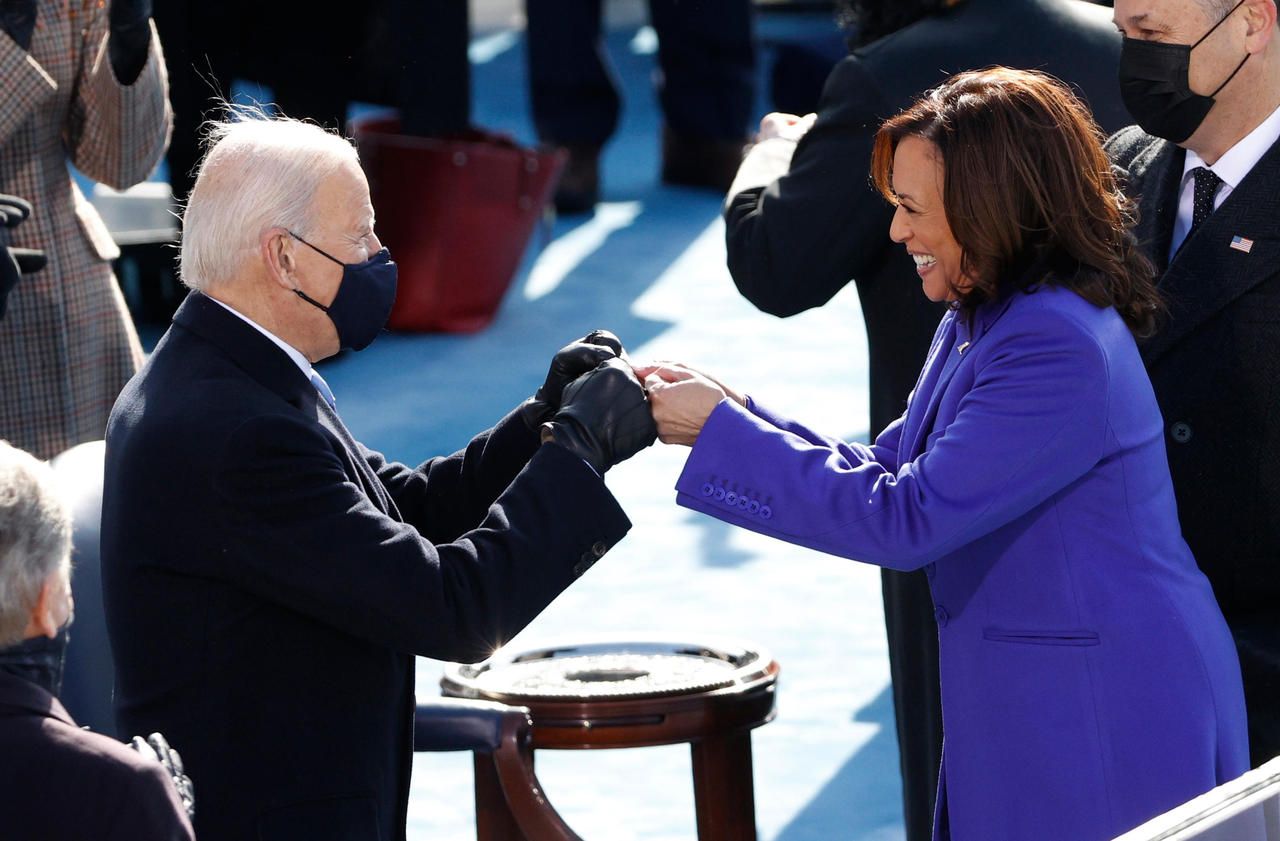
<point>962,347</point>
<point>1239,243</point>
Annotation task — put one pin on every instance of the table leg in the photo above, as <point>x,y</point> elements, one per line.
<point>723,790</point>
<point>494,821</point>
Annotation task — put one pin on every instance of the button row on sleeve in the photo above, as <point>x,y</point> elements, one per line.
<point>733,499</point>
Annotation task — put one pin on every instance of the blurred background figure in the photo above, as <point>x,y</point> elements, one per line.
<point>803,221</point>
<point>394,52</point>
<point>57,781</point>
<point>85,84</point>
<point>706,86</point>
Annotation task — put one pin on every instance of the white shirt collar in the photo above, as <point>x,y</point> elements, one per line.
<point>301,361</point>
<point>1233,166</point>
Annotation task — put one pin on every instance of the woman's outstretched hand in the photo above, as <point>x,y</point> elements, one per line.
<point>682,399</point>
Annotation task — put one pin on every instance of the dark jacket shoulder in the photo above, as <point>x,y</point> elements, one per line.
<point>63,782</point>
<point>1128,144</point>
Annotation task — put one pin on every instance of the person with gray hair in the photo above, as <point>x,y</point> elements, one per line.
<point>58,782</point>
<point>290,573</point>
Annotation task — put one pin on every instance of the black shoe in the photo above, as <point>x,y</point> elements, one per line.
<point>579,187</point>
<point>694,161</point>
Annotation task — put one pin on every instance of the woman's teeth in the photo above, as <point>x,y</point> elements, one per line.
<point>924,260</point>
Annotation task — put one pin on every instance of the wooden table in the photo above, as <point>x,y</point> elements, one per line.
<point>640,694</point>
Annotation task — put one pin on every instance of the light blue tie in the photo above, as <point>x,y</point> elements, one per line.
<point>323,388</point>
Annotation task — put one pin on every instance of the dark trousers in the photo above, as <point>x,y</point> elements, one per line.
<point>917,694</point>
<point>1257,637</point>
<point>404,53</point>
<point>705,50</point>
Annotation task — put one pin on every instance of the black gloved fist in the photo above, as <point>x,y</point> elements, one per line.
<point>604,417</point>
<point>18,19</point>
<point>14,261</point>
<point>156,747</point>
<point>570,362</point>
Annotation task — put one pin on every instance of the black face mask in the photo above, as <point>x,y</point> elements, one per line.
<point>360,309</point>
<point>39,659</point>
<point>1156,88</point>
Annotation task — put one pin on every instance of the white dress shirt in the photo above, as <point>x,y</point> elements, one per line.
<point>304,365</point>
<point>1232,167</point>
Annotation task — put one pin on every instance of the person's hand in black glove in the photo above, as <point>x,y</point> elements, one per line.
<point>156,747</point>
<point>14,262</point>
<point>18,20</point>
<point>129,39</point>
<point>604,417</point>
<point>570,362</point>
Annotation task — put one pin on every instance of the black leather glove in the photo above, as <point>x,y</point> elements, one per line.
<point>570,362</point>
<point>156,747</point>
<point>18,20</point>
<point>14,261</point>
<point>604,417</point>
<point>129,39</point>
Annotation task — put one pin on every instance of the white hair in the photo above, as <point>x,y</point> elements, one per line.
<point>35,537</point>
<point>259,172</point>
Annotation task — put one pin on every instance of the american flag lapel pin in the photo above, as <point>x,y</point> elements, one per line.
<point>1239,243</point>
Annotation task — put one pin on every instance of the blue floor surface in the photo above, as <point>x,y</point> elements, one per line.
<point>649,265</point>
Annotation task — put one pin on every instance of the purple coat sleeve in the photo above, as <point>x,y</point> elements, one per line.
<point>1031,421</point>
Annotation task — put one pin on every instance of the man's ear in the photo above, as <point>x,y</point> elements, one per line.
<point>276,249</point>
<point>1261,16</point>
<point>44,615</point>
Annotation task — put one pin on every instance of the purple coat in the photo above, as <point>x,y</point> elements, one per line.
<point>1088,679</point>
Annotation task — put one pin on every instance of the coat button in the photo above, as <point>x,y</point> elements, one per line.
<point>753,507</point>
<point>719,494</point>
<point>940,614</point>
<point>766,512</point>
<point>731,499</point>
<point>1181,432</point>
<point>599,548</point>
<point>708,489</point>
<point>744,503</point>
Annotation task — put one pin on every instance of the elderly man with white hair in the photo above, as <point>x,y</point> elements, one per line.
<point>267,578</point>
<point>58,782</point>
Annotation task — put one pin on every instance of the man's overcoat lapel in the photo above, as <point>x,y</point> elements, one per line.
<point>1208,272</point>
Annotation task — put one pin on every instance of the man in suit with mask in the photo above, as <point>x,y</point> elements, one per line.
<point>267,578</point>
<point>802,221</point>
<point>1202,79</point>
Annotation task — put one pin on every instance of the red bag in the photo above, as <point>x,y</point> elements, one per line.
<point>457,214</point>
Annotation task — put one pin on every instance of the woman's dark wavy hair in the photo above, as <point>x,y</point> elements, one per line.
<point>1028,191</point>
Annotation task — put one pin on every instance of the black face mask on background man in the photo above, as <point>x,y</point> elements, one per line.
<point>1155,84</point>
<point>360,309</point>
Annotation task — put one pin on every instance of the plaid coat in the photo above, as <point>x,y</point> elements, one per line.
<point>67,345</point>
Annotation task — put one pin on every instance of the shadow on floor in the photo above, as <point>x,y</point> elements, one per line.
<point>860,801</point>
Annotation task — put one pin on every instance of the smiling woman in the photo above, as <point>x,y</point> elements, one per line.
<point>1088,679</point>
<point>1000,176</point>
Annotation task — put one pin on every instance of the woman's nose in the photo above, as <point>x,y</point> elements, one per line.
<point>899,231</point>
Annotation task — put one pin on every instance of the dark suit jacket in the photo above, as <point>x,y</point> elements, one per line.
<point>268,579</point>
<point>61,783</point>
<point>1215,365</point>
